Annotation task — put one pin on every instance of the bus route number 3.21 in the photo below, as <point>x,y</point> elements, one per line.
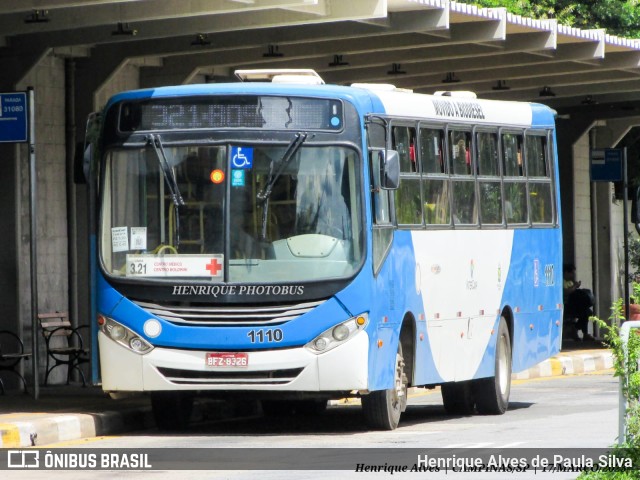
<point>265,335</point>
<point>137,268</point>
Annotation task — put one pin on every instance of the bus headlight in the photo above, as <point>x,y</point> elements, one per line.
<point>123,336</point>
<point>337,335</point>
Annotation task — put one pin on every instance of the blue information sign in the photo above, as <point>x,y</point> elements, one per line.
<point>13,117</point>
<point>606,164</point>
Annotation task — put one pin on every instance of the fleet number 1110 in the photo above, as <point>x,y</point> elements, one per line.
<point>269,335</point>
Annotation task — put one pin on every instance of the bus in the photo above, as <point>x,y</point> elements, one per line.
<point>281,240</point>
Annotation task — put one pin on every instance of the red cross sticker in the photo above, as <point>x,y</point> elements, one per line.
<point>214,267</point>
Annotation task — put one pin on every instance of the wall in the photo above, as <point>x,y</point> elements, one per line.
<point>126,77</point>
<point>48,80</point>
<point>609,220</point>
<point>582,212</point>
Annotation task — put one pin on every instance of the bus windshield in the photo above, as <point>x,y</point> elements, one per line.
<point>232,213</point>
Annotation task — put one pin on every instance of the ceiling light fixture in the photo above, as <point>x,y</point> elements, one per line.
<point>124,29</point>
<point>450,77</point>
<point>272,52</point>
<point>37,16</point>
<point>396,70</point>
<point>201,40</point>
<point>338,62</point>
<point>547,92</point>
<point>501,85</point>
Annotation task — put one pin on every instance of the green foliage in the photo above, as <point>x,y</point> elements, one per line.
<point>625,366</point>
<point>618,17</point>
<point>634,258</point>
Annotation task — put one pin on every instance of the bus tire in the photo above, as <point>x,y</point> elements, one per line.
<point>171,410</point>
<point>382,408</point>
<point>492,394</point>
<point>457,398</point>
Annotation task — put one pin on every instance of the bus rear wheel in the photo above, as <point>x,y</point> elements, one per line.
<point>382,408</point>
<point>492,394</point>
<point>171,410</point>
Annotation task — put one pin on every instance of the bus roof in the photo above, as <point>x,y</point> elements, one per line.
<point>371,99</point>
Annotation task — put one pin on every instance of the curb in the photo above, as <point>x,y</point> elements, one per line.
<point>568,365</point>
<point>45,429</point>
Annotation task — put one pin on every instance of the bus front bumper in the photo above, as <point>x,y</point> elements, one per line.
<point>343,368</point>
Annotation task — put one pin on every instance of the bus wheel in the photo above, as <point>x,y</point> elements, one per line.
<point>171,410</point>
<point>457,398</point>
<point>492,394</point>
<point>382,408</point>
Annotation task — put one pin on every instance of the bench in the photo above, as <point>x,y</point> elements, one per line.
<point>64,344</point>
<point>11,355</point>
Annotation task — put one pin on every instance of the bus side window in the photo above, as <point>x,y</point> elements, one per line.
<point>435,186</point>
<point>540,188</point>
<point>512,155</point>
<point>380,196</point>
<point>515,188</point>
<point>460,152</point>
<point>487,151</point>
<point>537,162</point>
<point>489,182</point>
<point>382,234</point>
<point>431,150</point>
<point>408,197</point>
<point>403,140</point>
<point>465,211</point>
<point>515,205</point>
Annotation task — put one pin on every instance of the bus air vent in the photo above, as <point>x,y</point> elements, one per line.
<point>198,377</point>
<point>235,315</point>
<point>305,76</point>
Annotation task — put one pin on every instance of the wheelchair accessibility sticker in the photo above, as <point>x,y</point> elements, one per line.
<point>241,157</point>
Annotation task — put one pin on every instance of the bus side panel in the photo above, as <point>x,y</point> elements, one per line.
<point>462,278</point>
<point>534,293</point>
<point>108,297</point>
<point>400,297</point>
<point>385,321</point>
<point>424,368</point>
<point>469,278</point>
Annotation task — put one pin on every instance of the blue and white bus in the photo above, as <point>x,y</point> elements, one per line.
<point>293,242</point>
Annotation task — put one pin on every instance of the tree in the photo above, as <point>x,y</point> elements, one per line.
<point>618,17</point>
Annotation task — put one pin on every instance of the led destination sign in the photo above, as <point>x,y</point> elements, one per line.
<point>255,112</point>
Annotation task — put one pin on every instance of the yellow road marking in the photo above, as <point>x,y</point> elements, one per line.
<point>10,435</point>
<point>79,441</point>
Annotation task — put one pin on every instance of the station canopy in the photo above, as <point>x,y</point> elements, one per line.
<point>423,45</point>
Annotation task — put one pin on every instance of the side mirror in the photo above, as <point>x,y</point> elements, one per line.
<point>81,164</point>
<point>389,169</point>
<point>85,151</point>
<point>635,211</point>
<point>86,161</point>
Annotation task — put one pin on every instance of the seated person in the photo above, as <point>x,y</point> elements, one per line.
<point>578,303</point>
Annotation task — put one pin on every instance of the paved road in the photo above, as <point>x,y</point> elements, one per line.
<point>562,412</point>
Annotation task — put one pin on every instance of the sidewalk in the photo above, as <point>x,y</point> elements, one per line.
<point>66,413</point>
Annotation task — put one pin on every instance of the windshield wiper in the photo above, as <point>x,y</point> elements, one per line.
<point>293,147</point>
<point>170,179</point>
<point>274,174</point>
<point>167,171</point>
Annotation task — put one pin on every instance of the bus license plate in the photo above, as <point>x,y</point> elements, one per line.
<point>227,360</point>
